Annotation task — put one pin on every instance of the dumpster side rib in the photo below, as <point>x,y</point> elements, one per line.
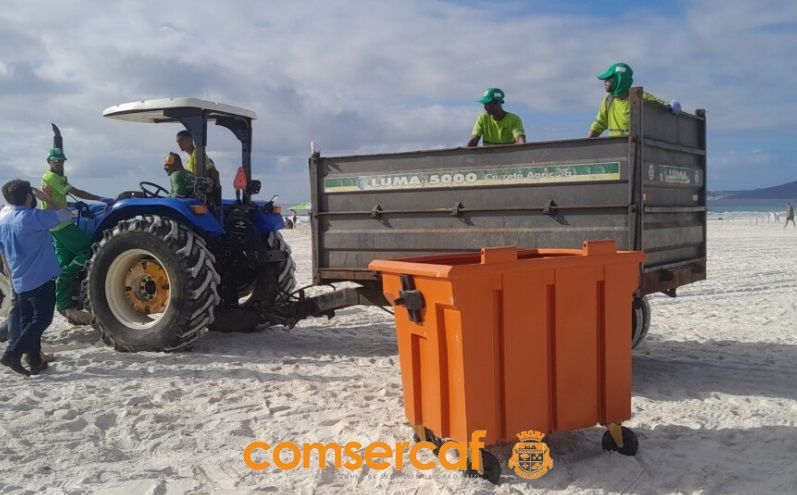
<point>497,332</point>
<point>456,398</point>
<point>576,345</point>
<point>600,325</point>
<point>552,423</point>
<point>443,385</point>
<point>617,381</point>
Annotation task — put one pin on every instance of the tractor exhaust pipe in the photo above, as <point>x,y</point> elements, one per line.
<point>58,141</point>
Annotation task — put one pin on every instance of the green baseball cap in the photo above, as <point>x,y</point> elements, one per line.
<point>492,94</point>
<point>56,155</point>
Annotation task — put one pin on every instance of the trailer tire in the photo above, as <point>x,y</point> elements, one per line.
<point>640,320</point>
<point>152,285</point>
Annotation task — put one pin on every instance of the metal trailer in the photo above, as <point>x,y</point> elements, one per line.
<point>646,191</point>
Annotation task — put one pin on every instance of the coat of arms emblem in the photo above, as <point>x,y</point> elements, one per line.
<point>531,458</point>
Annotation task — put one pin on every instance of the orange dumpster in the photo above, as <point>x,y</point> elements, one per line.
<point>508,340</point>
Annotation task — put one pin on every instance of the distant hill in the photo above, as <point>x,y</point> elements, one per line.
<point>783,191</point>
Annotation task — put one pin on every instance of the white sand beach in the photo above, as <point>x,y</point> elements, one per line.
<point>714,384</point>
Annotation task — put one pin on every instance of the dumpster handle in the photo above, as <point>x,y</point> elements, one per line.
<point>411,299</point>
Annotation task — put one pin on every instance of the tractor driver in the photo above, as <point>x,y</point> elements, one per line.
<point>182,181</point>
<point>186,144</point>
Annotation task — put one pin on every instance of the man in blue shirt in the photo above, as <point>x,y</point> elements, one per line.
<point>9,294</point>
<point>29,255</point>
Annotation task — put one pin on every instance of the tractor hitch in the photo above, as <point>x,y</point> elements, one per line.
<point>289,314</point>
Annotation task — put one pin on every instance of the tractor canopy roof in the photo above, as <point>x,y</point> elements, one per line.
<point>162,110</point>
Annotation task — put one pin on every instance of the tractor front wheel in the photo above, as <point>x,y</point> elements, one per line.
<point>152,285</point>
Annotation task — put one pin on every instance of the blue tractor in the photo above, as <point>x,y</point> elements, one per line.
<point>165,269</point>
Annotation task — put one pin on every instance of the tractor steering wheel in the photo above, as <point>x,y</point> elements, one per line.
<point>149,193</point>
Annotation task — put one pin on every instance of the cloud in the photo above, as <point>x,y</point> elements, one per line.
<point>362,77</point>
<point>754,170</point>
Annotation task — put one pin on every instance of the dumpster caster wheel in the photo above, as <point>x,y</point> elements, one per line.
<point>437,441</point>
<point>630,443</point>
<point>492,469</point>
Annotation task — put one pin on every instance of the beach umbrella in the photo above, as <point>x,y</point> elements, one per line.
<point>301,207</point>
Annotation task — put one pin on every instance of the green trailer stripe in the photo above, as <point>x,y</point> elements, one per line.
<point>511,175</point>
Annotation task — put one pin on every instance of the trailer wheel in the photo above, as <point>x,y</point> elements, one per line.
<point>492,468</point>
<point>640,320</point>
<point>152,285</point>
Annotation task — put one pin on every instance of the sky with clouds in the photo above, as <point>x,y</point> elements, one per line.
<point>366,76</point>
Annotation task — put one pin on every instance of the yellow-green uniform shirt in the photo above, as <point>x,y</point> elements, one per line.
<point>58,188</point>
<point>617,118</point>
<point>191,163</point>
<point>503,131</point>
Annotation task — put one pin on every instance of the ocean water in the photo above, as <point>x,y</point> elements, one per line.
<point>749,205</point>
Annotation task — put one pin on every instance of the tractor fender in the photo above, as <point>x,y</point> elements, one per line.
<point>178,209</point>
<point>266,222</point>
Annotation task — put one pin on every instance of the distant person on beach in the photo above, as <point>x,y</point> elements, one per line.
<point>496,125</point>
<point>789,215</point>
<point>614,111</point>
<point>29,258</point>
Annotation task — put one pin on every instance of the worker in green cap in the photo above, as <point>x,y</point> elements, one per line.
<point>614,112</point>
<point>72,245</point>
<point>496,125</point>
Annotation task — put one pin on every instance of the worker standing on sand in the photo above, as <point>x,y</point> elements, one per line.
<point>496,124</point>
<point>72,245</point>
<point>789,215</point>
<point>614,112</point>
<point>30,261</point>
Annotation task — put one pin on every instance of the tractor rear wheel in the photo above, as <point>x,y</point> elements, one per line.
<point>267,286</point>
<point>276,281</point>
<point>152,285</point>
